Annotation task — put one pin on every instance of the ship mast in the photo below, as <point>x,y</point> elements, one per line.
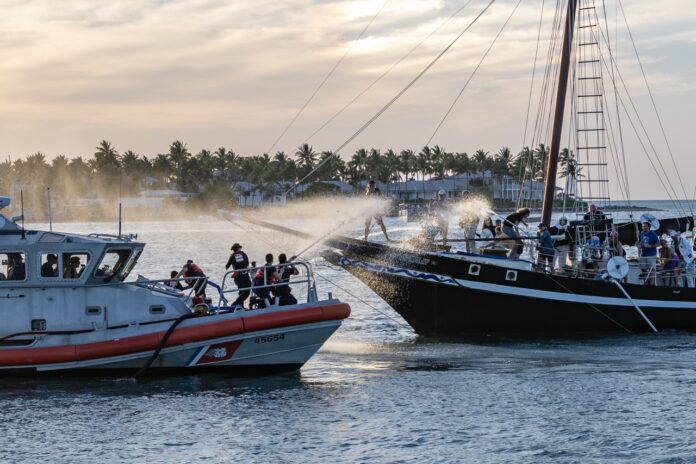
<point>552,161</point>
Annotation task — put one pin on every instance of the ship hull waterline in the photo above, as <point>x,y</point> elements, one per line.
<point>481,299</point>
<point>250,344</point>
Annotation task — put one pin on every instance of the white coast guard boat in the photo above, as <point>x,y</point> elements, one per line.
<point>65,305</point>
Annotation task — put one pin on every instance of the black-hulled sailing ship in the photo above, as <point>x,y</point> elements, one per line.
<point>450,292</point>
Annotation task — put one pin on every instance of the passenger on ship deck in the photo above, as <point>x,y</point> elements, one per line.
<point>676,247</point>
<point>488,231</point>
<point>438,208</point>
<point>468,222</point>
<point>195,276</point>
<point>239,262</point>
<point>50,267</point>
<point>284,271</point>
<point>372,190</point>
<point>594,216</point>
<point>546,250</point>
<point>562,246</point>
<point>648,243</point>
<point>265,276</point>
<point>510,229</point>
<point>613,245</point>
<point>669,261</point>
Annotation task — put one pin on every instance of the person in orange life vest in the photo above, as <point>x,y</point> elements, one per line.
<point>191,271</point>
<point>264,276</point>
<point>239,262</point>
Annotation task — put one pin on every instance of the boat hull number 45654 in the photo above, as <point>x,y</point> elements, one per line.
<point>269,338</point>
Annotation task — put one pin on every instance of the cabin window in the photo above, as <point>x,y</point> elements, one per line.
<point>74,264</point>
<point>131,264</point>
<point>12,266</point>
<point>112,263</point>
<point>49,265</point>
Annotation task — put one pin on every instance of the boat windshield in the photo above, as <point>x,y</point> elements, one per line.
<point>112,263</point>
<point>131,265</point>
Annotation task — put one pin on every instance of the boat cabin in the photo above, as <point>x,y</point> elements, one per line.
<point>30,258</point>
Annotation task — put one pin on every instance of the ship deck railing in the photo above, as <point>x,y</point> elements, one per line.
<point>304,280</point>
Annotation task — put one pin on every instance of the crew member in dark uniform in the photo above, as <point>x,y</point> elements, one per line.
<point>285,271</point>
<point>374,191</point>
<point>239,262</point>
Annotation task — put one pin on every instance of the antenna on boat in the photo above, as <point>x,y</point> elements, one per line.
<point>50,213</point>
<point>119,219</point>
<point>21,202</point>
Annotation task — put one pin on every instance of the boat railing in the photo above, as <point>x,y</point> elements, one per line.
<point>304,280</point>
<point>169,285</point>
<point>126,237</point>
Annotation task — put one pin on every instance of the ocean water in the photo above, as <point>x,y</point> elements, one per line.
<point>374,393</point>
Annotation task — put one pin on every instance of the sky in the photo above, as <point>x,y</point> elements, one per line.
<point>232,74</point>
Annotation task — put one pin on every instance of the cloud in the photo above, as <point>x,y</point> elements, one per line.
<point>233,73</point>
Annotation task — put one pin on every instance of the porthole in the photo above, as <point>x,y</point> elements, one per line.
<point>474,269</point>
<point>511,276</point>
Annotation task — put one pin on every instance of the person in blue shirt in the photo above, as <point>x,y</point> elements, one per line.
<point>546,250</point>
<point>648,243</point>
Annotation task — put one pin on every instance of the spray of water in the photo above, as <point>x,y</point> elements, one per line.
<point>471,209</point>
<point>317,217</point>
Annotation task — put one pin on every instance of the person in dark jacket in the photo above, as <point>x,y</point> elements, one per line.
<point>239,262</point>
<point>284,272</point>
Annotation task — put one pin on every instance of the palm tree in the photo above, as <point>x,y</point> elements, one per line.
<point>501,162</point>
<point>107,162</point>
<point>407,163</point>
<point>357,166</point>
<point>569,170</point>
<point>306,157</point>
<point>437,162</point>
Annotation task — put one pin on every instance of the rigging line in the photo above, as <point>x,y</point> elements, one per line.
<point>343,289</point>
<point>385,73</point>
<point>544,91</point>
<point>326,78</point>
<point>396,97</point>
<point>652,100</point>
<point>473,73</point>
<point>675,201</point>
<point>588,304</point>
<point>531,86</point>
<point>616,102</point>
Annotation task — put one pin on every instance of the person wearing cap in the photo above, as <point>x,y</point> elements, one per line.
<point>546,250</point>
<point>373,190</point>
<point>438,209</point>
<point>239,262</point>
<point>648,242</point>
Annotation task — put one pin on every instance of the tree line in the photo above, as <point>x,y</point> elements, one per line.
<point>210,174</point>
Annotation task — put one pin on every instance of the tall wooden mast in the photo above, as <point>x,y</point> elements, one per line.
<point>552,161</point>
